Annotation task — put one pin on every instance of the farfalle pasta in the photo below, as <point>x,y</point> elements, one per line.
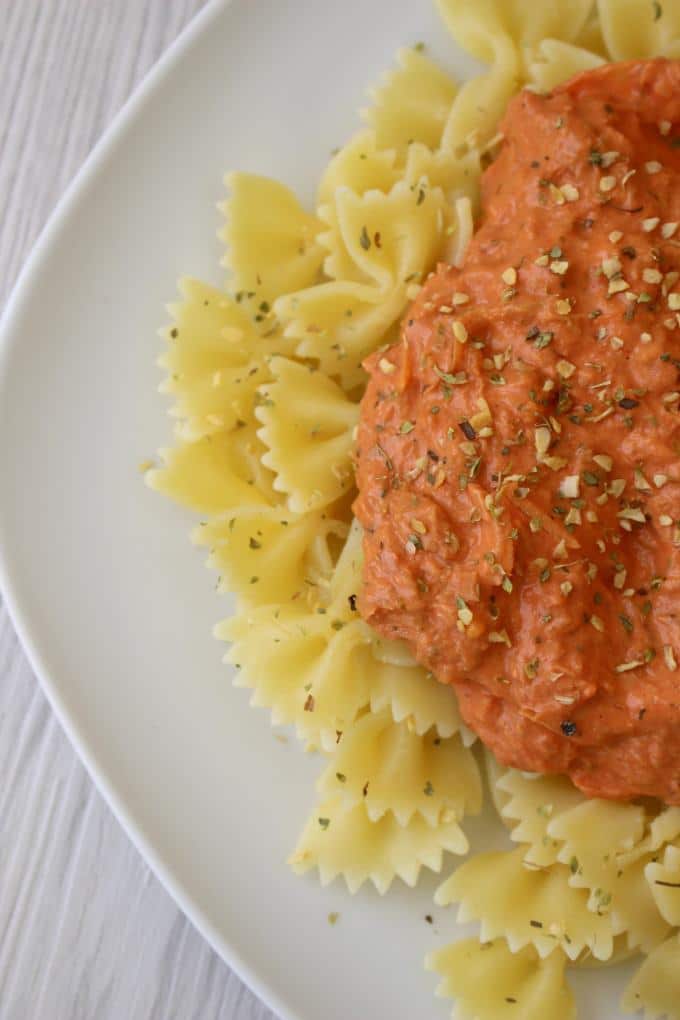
<point>341,840</point>
<point>289,553</point>
<point>527,906</point>
<point>634,29</point>
<point>655,988</point>
<point>411,105</point>
<point>307,424</point>
<point>270,242</point>
<point>489,982</point>
<point>389,767</point>
<point>532,803</point>
<point>265,376</point>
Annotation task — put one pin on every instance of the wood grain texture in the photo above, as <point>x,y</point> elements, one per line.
<point>86,931</point>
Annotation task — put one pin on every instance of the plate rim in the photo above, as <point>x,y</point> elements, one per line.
<point>20,295</point>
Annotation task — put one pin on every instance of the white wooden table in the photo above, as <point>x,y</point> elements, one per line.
<point>86,932</point>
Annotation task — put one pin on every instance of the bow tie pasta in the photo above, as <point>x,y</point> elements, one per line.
<point>265,377</point>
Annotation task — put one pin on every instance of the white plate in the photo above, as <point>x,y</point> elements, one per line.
<point>113,605</point>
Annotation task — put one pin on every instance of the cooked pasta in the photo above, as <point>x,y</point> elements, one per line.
<point>214,361</point>
<point>526,905</point>
<point>310,669</point>
<point>655,987</point>
<point>490,982</point>
<point>270,242</point>
<point>342,840</point>
<point>307,428</point>
<point>595,837</point>
<point>290,554</point>
<point>634,29</point>
<point>411,105</point>
<point>533,802</point>
<point>556,61</point>
<point>360,166</point>
<point>215,473</point>
<point>664,881</point>
<point>265,379</point>
<point>415,696</point>
<point>500,31</point>
<point>389,767</point>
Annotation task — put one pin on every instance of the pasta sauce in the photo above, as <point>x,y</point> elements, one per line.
<point>518,450</point>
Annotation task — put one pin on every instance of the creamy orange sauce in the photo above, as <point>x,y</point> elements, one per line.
<point>518,452</point>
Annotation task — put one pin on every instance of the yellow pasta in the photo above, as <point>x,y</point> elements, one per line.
<point>360,166</point>
<point>379,245</point>
<point>635,29</point>
<point>491,983</point>
<point>290,554</point>
<point>533,801</point>
<point>343,841</point>
<point>527,906</point>
<point>215,360</point>
<point>664,881</point>
<point>385,240</point>
<point>663,828</point>
<point>554,61</point>
<point>414,695</point>
<point>215,473</point>
<point>311,669</point>
<point>457,175</point>
<point>339,324</point>
<point>494,772</point>
<point>270,241</point>
<point>472,126</point>
<point>412,104</point>
<point>309,661</point>
<point>265,382</point>
<point>655,988</point>
<point>389,767</point>
<point>499,31</point>
<point>307,428</point>
<point>598,839</point>
<point>590,36</point>
<point>346,579</point>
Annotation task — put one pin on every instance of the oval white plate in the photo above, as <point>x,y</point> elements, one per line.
<point>112,604</point>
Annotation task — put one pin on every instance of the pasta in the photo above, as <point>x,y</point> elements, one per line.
<point>556,61</point>
<point>338,324</point>
<point>265,378</point>
<point>499,31</point>
<point>664,882</point>
<point>270,242</point>
<point>310,669</point>
<point>527,906</point>
<point>595,836</point>
<point>290,554</point>
<point>391,768</point>
<point>411,105</point>
<point>532,802</point>
<point>664,828</point>
<point>214,361</point>
<point>360,166</point>
<point>655,988</point>
<point>340,840</point>
<point>415,696</point>
<point>215,473</point>
<point>633,29</point>
<point>307,426</point>
<point>490,982</point>
<point>386,240</point>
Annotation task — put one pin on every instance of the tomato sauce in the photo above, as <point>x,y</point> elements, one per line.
<point>518,451</point>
